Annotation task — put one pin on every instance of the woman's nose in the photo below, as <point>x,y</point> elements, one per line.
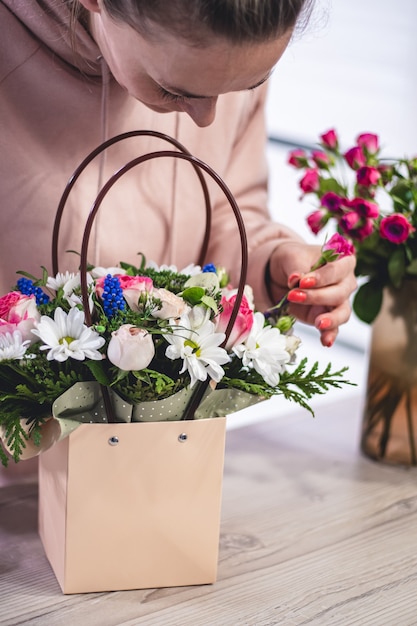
<point>202,111</point>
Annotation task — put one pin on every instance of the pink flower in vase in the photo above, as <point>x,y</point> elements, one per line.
<point>317,220</point>
<point>332,202</point>
<point>369,142</point>
<point>298,158</point>
<point>367,176</point>
<point>364,208</point>
<point>355,158</point>
<point>395,228</point>
<point>321,159</point>
<point>329,139</point>
<point>310,181</point>
<point>356,226</point>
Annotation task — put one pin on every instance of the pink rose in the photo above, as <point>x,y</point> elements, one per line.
<point>365,208</point>
<point>396,228</point>
<point>243,323</point>
<point>329,139</point>
<point>366,229</point>
<point>356,226</point>
<point>298,158</point>
<point>317,220</point>
<point>341,246</point>
<point>130,348</point>
<point>367,176</point>
<point>332,202</point>
<point>369,142</point>
<point>19,312</point>
<point>355,158</point>
<point>320,158</point>
<point>310,181</point>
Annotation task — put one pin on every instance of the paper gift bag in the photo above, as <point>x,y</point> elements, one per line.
<point>132,506</point>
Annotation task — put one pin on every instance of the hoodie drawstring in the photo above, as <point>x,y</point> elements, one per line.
<point>105,81</point>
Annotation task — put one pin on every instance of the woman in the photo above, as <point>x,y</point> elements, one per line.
<point>74,73</point>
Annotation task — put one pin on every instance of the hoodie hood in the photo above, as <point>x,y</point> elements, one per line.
<point>48,20</point>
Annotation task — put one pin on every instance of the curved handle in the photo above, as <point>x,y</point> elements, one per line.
<point>197,162</point>
<point>93,154</point>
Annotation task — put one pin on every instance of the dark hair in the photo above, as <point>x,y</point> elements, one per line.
<point>239,21</point>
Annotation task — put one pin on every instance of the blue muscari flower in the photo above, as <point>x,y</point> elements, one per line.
<point>209,267</point>
<point>112,297</point>
<point>27,288</point>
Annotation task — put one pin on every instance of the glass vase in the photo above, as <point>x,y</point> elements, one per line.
<point>389,432</point>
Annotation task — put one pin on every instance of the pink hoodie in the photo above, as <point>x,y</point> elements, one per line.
<point>56,106</point>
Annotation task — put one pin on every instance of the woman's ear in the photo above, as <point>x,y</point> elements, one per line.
<point>91,5</point>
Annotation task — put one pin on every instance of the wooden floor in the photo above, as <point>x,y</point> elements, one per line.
<point>311,533</point>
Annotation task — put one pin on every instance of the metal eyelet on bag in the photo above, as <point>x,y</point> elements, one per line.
<point>182,437</point>
<point>113,441</point>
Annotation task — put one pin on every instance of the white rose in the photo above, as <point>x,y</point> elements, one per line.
<point>172,306</point>
<point>131,348</point>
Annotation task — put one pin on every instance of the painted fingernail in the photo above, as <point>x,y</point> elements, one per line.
<point>329,343</point>
<point>308,282</point>
<point>297,296</point>
<point>324,323</point>
<point>293,279</point>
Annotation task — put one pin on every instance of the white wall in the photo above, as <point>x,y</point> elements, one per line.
<point>354,69</point>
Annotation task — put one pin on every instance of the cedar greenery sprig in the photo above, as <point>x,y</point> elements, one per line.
<point>297,386</point>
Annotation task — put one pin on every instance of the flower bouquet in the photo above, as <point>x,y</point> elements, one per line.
<point>114,375</point>
<point>156,336</point>
<point>372,201</point>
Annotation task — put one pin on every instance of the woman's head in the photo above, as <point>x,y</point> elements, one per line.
<point>239,21</point>
<point>182,54</point>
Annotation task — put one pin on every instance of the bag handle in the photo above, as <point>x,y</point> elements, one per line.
<point>93,154</point>
<point>199,166</point>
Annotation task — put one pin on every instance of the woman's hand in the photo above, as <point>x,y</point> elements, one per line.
<point>319,297</point>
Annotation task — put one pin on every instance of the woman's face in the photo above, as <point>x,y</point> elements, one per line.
<point>167,73</point>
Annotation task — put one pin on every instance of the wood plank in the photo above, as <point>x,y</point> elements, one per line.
<point>311,532</point>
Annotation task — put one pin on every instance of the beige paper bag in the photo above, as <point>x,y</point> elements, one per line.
<point>140,514</point>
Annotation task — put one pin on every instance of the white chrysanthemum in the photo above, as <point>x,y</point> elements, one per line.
<point>99,272</point>
<point>60,280</point>
<point>160,268</point>
<point>189,270</point>
<point>12,345</point>
<point>265,349</point>
<point>70,283</point>
<point>199,350</point>
<point>67,336</point>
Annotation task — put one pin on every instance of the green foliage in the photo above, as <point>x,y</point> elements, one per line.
<point>297,386</point>
<point>368,301</point>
